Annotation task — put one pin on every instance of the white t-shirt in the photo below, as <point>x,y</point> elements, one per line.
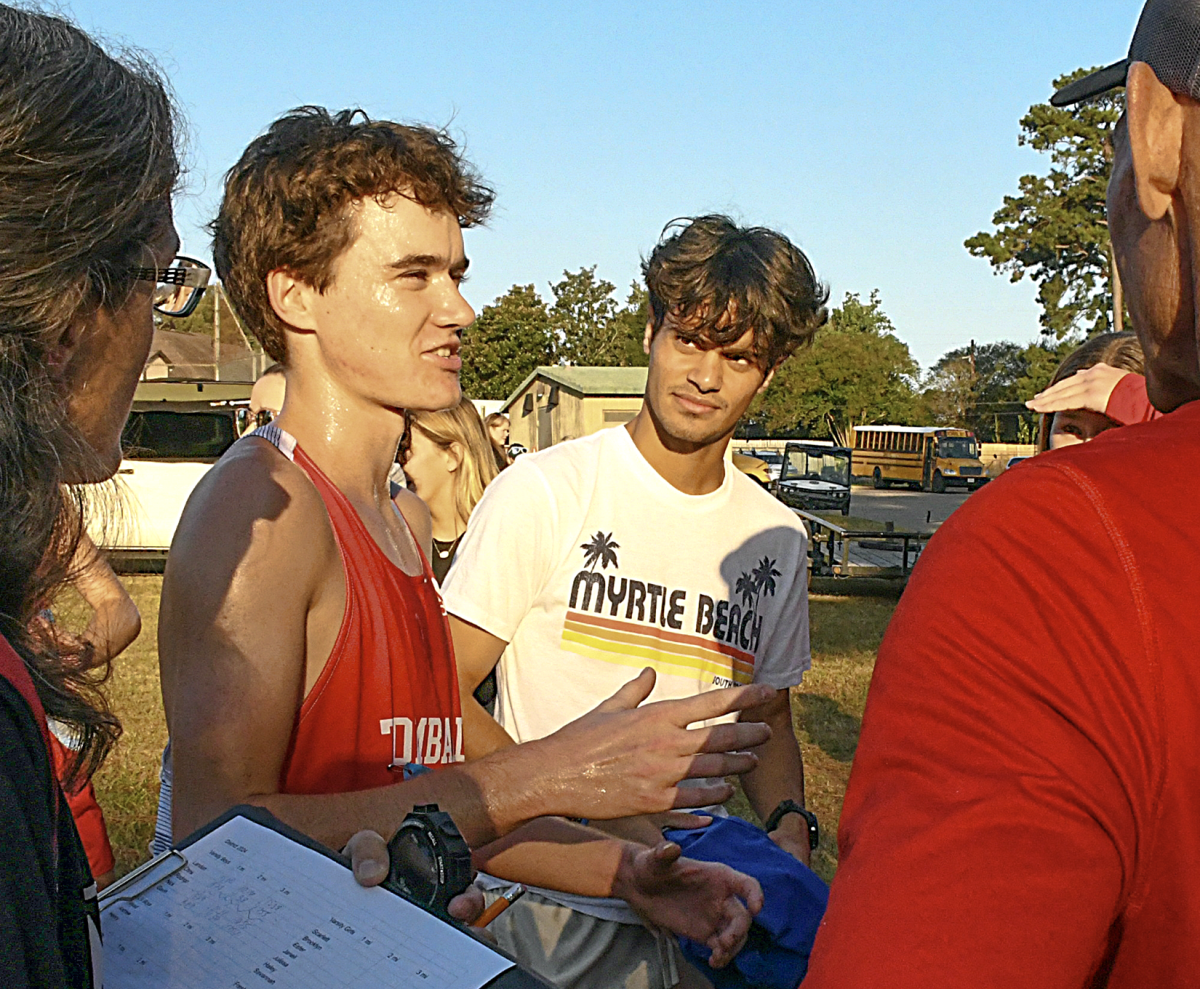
<point>591,566</point>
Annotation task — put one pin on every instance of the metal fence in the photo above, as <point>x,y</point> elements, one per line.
<point>839,551</point>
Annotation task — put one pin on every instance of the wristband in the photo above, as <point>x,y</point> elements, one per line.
<point>791,807</point>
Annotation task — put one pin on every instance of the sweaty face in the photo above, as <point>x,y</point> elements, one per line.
<point>1077,426</point>
<point>103,367</point>
<point>388,327</point>
<point>696,391</point>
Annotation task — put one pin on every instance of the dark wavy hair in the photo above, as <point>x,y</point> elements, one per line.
<point>286,200</point>
<point>721,280</point>
<point>87,167</point>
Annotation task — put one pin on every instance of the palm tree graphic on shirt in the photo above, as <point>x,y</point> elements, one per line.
<point>764,577</point>
<point>745,588</point>
<point>601,549</point>
<point>751,586</point>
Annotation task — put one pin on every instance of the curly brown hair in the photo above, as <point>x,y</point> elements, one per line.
<point>286,199</point>
<point>722,280</point>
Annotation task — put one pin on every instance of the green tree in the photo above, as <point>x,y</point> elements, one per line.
<point>857,371</point>
<point>949,396</point>
<point>591,328</point>
<point>1041,361</point>
<point>1054,230</point>
<point>629,329</point>
<point>505,343</point>
<point>583,319</point>
<point>983,388</point>
<point>200,321</point>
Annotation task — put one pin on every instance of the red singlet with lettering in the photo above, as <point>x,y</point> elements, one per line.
<point>388,695</point>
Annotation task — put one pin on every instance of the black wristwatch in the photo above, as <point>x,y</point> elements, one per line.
<point>791,807</point>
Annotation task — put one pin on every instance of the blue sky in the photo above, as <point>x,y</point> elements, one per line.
<point>878,135</point>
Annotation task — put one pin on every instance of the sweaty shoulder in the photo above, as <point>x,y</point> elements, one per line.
<point>254,508</point>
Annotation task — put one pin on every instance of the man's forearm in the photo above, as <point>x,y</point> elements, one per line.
<point>619,760</point>
<point>642,830</point>
<point>779,774</point>
<point>486,800</point>
<point>556,854</point>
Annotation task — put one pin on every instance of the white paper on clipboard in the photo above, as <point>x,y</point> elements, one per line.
<point>253,909</point>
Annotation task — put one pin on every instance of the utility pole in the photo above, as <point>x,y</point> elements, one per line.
<point>217,332</point>
<point>973,394</point>
<point>1118,292</point>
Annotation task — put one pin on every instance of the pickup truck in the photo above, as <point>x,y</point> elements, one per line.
<point>814,477</point>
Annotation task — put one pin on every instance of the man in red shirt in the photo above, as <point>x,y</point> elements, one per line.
<point>1024,808</point>
<point>306,661</point>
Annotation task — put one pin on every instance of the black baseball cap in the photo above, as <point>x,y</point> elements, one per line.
<point>1167,39</point>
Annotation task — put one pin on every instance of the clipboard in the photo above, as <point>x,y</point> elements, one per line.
<point>234,907</point>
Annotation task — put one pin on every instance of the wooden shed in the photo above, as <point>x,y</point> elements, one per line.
<point>563,403</point>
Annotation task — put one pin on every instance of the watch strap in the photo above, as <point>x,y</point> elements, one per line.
<point>786,807</point>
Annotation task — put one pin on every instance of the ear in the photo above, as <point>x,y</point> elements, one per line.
<point>766,381</point>
<point>294,301</point>
<point>1155,119</point>
<point>454,456</point>
<point>648,336</point>
<point>60,353</point>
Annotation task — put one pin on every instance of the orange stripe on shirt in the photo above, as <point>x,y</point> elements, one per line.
<point>662,633</point>
<point>639,636</point>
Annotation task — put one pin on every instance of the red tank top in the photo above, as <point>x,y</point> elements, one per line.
<point>388,695</point>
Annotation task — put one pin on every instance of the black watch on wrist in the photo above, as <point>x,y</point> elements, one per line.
<point>791,807</point>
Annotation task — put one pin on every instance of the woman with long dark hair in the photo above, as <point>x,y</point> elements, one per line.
<point>87,168</point>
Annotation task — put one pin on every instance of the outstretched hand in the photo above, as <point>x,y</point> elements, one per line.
<point>708,902</point>
<point>1089,390</point>
<point>623,759</point>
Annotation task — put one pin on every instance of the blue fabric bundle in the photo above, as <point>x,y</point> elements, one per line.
<point>794,899</point>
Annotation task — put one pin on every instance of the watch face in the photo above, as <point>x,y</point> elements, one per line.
<point>415,865</point>
<point>430,862</point>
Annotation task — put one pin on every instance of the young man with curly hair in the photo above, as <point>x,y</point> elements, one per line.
<point>642,545</point>
<point>306,661</point>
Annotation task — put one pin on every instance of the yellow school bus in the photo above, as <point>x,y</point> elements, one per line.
<point>929,458</point>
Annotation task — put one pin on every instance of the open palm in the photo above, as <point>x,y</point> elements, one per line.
<point>708,902</point>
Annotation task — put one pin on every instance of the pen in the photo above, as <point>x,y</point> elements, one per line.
<point>506,900</point>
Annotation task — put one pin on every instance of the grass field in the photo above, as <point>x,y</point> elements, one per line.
<point>846,632</point>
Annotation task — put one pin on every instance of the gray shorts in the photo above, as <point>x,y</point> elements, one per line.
<point>578,951</point>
